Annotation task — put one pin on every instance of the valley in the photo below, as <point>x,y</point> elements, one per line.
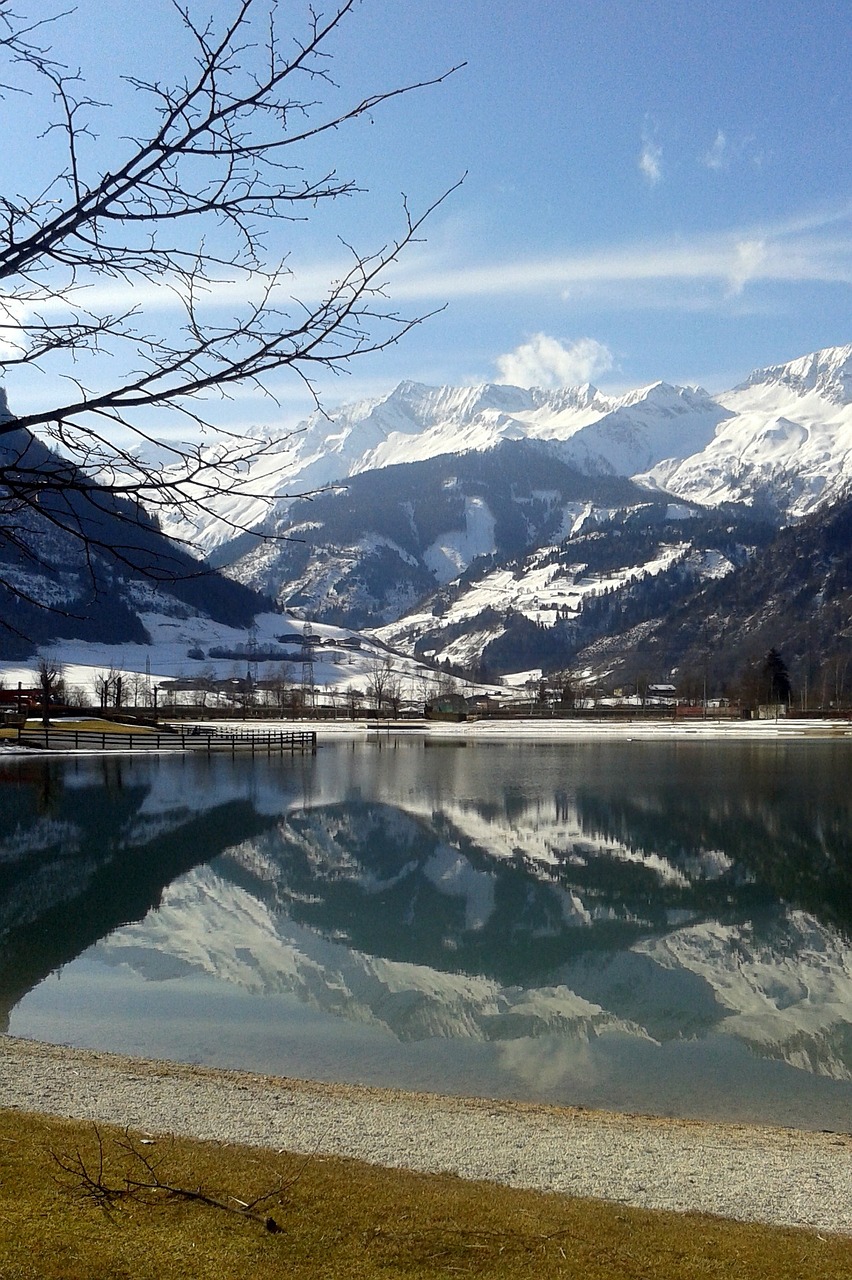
<point>665,535</point>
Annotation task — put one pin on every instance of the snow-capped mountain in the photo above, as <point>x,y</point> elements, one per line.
<point>499,526</point>
<point>436,898</point>
<point>270,923</point>
<point>202,914</point>
<point>787,440</point>
<point>660,421</point>
<point>515,527</point>
<point>492,557</point>
<point>827,373</point>
<point>783,436</point>
<point>412,423</point>
<point>598,434</point>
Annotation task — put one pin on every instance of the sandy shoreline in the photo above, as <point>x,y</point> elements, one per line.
<point>781,1176</point>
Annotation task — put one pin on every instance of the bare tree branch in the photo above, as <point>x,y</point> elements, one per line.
<point>140,1178</point>
<point>187,212</point>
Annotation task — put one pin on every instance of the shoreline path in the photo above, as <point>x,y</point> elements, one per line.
<point>780,1176</point>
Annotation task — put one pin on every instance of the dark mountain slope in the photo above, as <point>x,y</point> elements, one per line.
<point>796,596</point>
<point>80,562</point>
<point>366,554</point>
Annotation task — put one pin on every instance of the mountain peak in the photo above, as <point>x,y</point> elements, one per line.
<point>827,372</point>
<point>423,404</point>
<point>665,394</point>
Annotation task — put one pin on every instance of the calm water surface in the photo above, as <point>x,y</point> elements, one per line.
<point>645,927</point>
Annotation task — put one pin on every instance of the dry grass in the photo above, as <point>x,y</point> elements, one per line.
<point>91,725</point>
<point>95,725</point>
<point>345,1219</point>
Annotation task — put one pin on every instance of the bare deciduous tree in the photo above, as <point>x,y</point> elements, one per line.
<point>383,684</point>
<point>106,686</point>
<point>186,211</point>
<point>50,683</point>
<point>354,698</point>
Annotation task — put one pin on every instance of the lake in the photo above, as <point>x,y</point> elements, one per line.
<point>652,927</point>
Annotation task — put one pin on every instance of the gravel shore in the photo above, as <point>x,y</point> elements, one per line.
<point>779,1176</point>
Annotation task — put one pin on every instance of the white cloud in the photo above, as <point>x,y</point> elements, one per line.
<point>651,157</point>
<point>649,162</point>
<point>726,152</point>
<point>545,362</point>
<point>750,258</point>
<point>169,293</point>
<point>717,156</point>
<point>807,248</point>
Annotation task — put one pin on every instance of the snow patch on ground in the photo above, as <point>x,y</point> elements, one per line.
<point>450,554</point>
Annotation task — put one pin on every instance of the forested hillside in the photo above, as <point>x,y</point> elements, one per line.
<point>796,596</point>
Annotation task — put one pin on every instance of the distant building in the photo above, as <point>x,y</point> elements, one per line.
<point>447,706</point>
<point>19,697</point>
<point>661,692</point>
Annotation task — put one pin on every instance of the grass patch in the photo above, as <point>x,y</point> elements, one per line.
<point>341,1219</point>
<point>92,724</point>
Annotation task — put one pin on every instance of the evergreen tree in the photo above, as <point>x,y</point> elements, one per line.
<point>776,677</point>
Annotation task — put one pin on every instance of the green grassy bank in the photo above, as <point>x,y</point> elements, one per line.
<point>76,1204</point>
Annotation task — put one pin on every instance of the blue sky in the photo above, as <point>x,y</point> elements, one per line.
<point>669,181</point>
<point>655,189</point>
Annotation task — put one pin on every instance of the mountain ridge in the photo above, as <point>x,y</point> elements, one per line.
<point>510,538</point>
<point>534,551</point>
<point>649,433</point>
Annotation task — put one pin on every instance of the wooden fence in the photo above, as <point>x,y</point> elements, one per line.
<point>208,742</point>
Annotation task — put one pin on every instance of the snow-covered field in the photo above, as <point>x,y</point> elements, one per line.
<point>142,667</point>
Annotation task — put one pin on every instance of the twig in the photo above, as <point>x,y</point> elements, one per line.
<point>89,1177</point>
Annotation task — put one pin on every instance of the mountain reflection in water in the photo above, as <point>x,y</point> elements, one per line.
<point>593,900</point>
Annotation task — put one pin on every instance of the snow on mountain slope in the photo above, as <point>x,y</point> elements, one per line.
<point>450,554</point>
<point>827,372</point>
<point>787,441</point>
<point>772,995</point>
<point>540,838</point>
<point>597,433</point>
<point>538,590</point>
<point>694,980</point>
<point>171,639</point>
<point>656,422</point>
<point>412,423</point>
